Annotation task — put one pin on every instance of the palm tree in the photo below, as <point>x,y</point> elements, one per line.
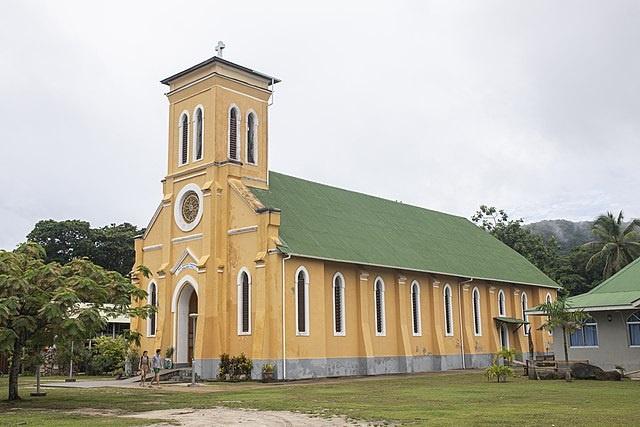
<point>616,246</point>
<point>560,315</point>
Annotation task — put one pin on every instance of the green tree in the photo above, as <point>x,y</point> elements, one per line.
<point>110,247</point>
<point>41,302</point>
<point>560,315</point>
<point>616,245</point>
<point>571,272</point>
<point>514,234</point>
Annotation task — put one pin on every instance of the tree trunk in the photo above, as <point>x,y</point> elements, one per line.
<point>14,371</point>
<point>567,373</point>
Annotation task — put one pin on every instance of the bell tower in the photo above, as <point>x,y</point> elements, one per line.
<point>218,116</point>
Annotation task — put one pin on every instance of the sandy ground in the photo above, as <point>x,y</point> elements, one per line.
<point>220,416</point>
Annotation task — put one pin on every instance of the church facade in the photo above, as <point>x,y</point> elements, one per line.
<point>317,280</point>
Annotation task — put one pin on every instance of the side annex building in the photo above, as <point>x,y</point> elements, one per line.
<point>318,280</point>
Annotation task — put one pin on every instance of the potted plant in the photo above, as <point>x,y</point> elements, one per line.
<point>267,372</point>
<point>168,360</point>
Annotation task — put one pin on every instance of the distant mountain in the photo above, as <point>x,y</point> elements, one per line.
<point>569,234</point>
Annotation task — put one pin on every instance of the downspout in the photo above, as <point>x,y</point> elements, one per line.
<point>464,366</point>
<point>284,334</point>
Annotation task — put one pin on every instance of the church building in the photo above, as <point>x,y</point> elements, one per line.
<point>318,280</point>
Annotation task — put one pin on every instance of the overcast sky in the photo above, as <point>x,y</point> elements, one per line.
<point>531,106</point>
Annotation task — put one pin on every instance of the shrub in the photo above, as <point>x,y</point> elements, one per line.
<point>109,354</point>
<point>499,372</point>
<point>234,368</point>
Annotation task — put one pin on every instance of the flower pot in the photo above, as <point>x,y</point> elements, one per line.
<point>168,363</point>
<point>267,377</point>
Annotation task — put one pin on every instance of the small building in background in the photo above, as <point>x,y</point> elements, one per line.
<point>611,336</point>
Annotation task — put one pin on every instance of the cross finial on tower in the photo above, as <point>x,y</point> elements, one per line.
<point>219,48</point>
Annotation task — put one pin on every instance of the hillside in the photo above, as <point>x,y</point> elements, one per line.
<point>569,234</point>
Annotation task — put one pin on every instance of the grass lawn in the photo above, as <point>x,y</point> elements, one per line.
<point>432,399</point>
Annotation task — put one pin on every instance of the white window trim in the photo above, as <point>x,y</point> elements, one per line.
<point>242,271</point>
<point>195,134</point>
<point>448,315</point>
<point>593,323</point>
<point>418,311</point>
<point>180,140</point>
<point>342,308</point>
<point>306,301</point>
<point>476,326</point>
<point>502,308</point>
<point>524,305</point>
<point>633,322</point>
<point>238,132</point>
<point>152,283</point>
<point>383,322</point>
<point>255,142</point>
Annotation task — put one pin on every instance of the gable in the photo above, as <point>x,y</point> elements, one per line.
<point>330,223</point>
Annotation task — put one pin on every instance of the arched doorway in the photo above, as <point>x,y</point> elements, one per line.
<point>186,303</point>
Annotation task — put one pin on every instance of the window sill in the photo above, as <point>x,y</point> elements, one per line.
<point>243,334</point>
<point>302,334</point>
<point>340,334</point>
<point>584,346</point>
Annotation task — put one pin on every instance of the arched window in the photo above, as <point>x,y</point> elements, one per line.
<point>379,304</point>
<point>477,319</point>
<point>244,302</point>
<point>338,305</point>
<point>183,132</point>
<point>633,323</point>
<point>587,336</point>
<point>198,123</point>
<point>415,308</point>
<point>502,311</point>
<point>302,302</point>
<point>252,138</point>
<point>234,126</point>
<point>525,317</point>
<point>549,300</point>
<point>152,320</point>
<point>448,316</point>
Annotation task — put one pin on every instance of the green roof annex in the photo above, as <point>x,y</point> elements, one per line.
<point>329,223</point>
<point>620,291</point>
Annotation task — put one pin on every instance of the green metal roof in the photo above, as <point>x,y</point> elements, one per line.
<point>511,320</point>
<point>330,223</point>
<point>623,288</point>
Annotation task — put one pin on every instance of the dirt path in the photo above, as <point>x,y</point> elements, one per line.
<point>220,416</point>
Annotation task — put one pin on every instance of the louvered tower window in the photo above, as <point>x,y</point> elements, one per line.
<point>415,308</point>
<point>251,138</point>
<point>379,302</point>
<point>199,123</point>
<point>301,303</point>
<point>338,305</point>
<point>184,139</point>
<point>448,318</point>
<point>233,134</point>
<point>477,329</point>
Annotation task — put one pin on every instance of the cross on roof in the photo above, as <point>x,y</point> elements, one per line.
<point>219,48</point>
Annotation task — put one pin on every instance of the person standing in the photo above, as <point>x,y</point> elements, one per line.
<point>145,367</point>
<point>156,363</point>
